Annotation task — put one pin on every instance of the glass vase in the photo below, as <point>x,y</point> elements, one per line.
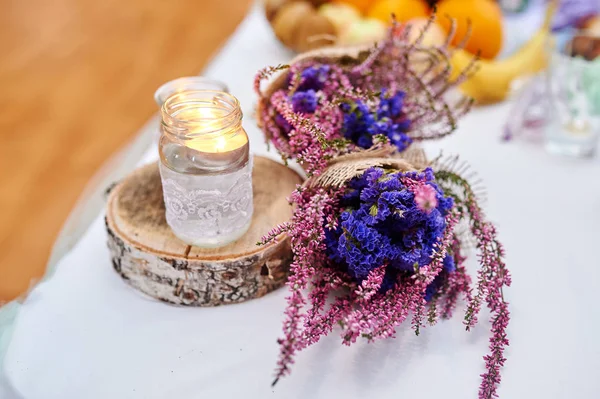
<point>573,84</point>
<point>205,167</point>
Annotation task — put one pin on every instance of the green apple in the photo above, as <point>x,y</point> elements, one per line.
<point>341,15</point>
<point>365,30</point>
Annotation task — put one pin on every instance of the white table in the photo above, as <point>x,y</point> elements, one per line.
<point>85,334</point>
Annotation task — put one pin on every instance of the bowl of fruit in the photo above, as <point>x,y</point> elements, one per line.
<point>303,25</point>
<point>470,28</point>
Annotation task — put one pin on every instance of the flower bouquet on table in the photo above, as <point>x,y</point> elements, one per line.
<point>374,232</point>
<point>378,237</point>
<point>333,101</point>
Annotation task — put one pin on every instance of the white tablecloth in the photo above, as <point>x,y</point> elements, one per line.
<point>84,333</point>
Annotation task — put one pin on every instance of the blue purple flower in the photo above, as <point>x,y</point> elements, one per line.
<point>361,124</point>
<point>304,102</point>
<point>382,224</point>
<point>314,77</point>
<point>438,282</point>
<point>282,123</point>
<point>390,107</point>
<point>449,264</point>
<point>434,287</point>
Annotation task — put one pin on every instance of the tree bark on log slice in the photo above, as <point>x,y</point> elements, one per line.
<point>148,256</point>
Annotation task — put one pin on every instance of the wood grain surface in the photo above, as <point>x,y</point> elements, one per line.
<point>76,82</point>
<point>137,211</point>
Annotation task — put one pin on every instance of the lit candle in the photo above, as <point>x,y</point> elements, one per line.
<point>219,144</point>
<point>210,120</point>
<point>205,168</point>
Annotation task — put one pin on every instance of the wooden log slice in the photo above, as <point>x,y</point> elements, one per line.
<point>148,256</point>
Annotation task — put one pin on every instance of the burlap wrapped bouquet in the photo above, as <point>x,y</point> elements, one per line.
<point>375,231</point>
<point>336,100</point>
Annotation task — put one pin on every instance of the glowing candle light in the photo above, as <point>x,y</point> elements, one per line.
<point>205,168</point>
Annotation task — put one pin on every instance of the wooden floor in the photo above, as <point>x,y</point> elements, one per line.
<point>76,82</point>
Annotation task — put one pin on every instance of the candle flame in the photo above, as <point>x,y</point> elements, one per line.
<point>223,142</point>
<point>220,144</point>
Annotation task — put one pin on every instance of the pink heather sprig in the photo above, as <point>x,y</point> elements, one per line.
<point>274,133</point>
<point>495,360</point>
<point>308,140</point>
<point>418,309</point>
<point>386,312</point>
<point>318,298</point>
<point>295,74</point>
<point>371,284</point>
<point>324,282</point>
<point>299,122</point>
<point>307,233</point>
<point>492,277</point>
<point>365,67</point>
<point>274,233</point>
<point>491,281</point>
<point>292,341</point>
<point>322,323</point>
<point>432,312</point>
<point>458,282</point>
<point>307,239</point>
<point>425,275</point>
<point>379,317</point>
<point>265,74</point>
<point>338,81</point>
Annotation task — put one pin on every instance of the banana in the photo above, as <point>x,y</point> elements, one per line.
<point>492,80</point>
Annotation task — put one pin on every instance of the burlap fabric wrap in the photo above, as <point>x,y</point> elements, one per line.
<point>344,168</point>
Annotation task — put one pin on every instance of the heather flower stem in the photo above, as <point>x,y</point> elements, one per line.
<point>458,282</point>
<point>306,233</point>
<point>492,276</point>
<point>265,74</point>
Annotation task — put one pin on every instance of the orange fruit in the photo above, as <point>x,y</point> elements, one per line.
<point>361,5</point>
<point>404,10</point>
<point>486,24</point>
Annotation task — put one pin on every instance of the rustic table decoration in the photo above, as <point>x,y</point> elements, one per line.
<point>149,257</point>
<point>205,167</point>
<point>374,233</point>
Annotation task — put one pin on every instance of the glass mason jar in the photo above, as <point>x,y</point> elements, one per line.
<point>205,167</point>
<point>188,83</point>
<point>572,86</point>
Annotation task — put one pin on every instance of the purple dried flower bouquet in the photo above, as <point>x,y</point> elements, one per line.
<point>334,101</point>
<point>374,230</point>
